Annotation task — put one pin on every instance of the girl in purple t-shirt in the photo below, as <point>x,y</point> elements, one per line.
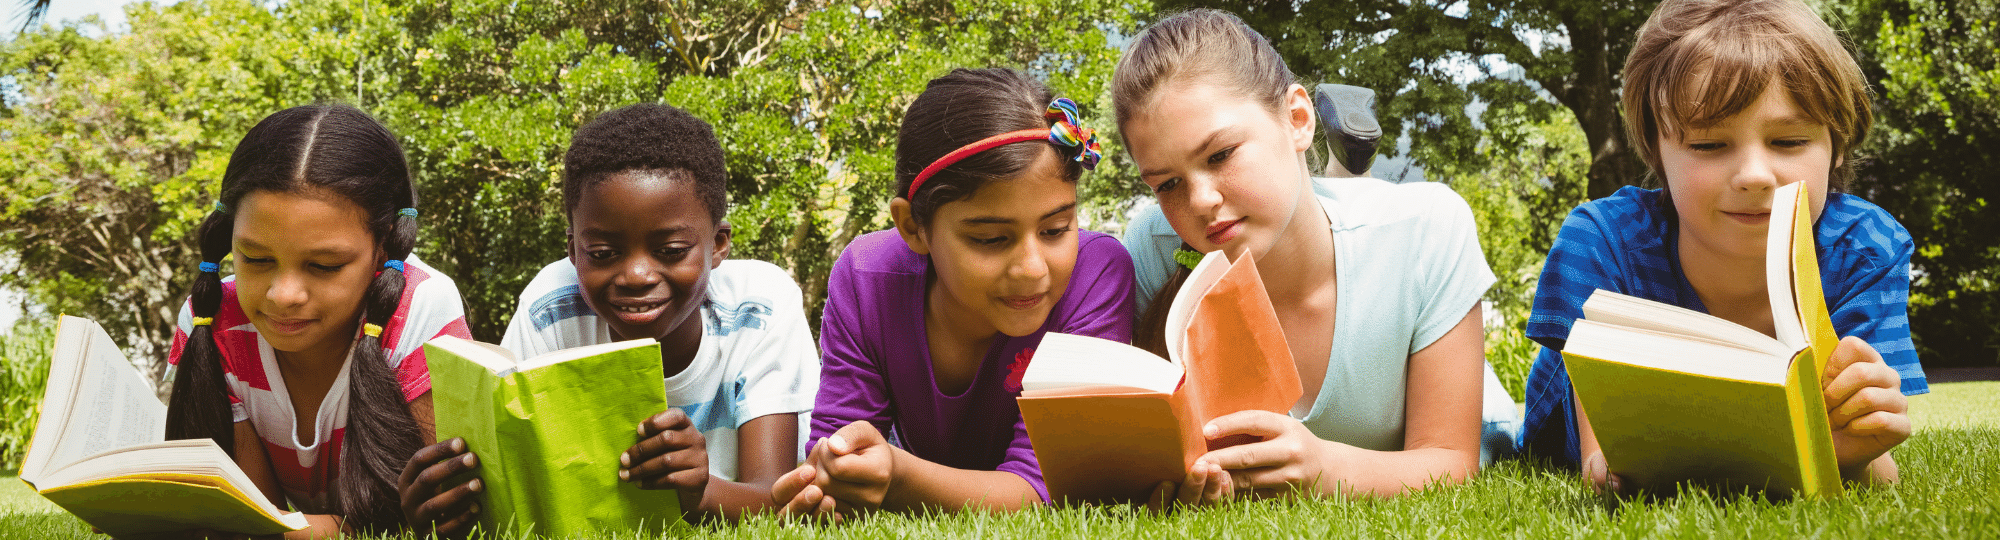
<point>923,322</point>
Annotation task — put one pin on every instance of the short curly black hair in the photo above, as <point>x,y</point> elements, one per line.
<point>646,136</point>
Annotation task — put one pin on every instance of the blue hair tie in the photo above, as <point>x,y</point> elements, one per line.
<point>219,207</point>
<point>209,267</point>
<point>407,212</point>
<point>394,263</point>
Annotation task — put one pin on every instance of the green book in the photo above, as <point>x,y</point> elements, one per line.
<point>548,431</point>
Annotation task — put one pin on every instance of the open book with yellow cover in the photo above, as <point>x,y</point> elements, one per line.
<point>99,452</point>
<point>1680,396</point>
<point>1110,421</point>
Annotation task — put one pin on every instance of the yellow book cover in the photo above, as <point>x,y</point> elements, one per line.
<point>99,452</point>
<point>1678,396</point>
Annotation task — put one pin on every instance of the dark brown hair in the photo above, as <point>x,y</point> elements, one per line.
<point>961,108</point>
<point>1218,48</point>
<point>337,150</point>
<point>1698,62</point>
<point>647,136</point>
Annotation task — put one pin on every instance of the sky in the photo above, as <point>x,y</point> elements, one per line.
<point>64,10</point>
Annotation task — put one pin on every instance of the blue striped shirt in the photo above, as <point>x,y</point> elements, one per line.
<point>1624,243</point>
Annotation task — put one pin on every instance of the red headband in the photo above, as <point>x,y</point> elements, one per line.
<point>966,151</point>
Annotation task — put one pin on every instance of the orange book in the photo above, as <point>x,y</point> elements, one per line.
<point>1110,421</point>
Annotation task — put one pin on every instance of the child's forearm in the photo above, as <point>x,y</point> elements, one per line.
<point>733,500</point>
<point>920,483</point>
<point>1390,474</point>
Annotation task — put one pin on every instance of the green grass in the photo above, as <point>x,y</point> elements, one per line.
<point>1950,489</point>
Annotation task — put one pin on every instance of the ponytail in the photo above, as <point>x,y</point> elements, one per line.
<point>199,406</point>
<point>381,432</point>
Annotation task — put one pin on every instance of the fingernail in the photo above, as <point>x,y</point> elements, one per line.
<point>476,485</point>
<point>1210,431</point>
<point>474,509</point>
<point>837,443</point>
<point>457,444</point>
<point>470,460</point>
<point>642,429</point>
<point>625,459</point>
<point>624,476</point>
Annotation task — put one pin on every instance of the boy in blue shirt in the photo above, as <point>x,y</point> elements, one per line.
<point>1726,101</point>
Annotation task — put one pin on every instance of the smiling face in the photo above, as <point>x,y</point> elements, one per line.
<point>1227,170</point>
<point>1003,256</point>
<point>1722,176</point>
<point>643,245</point>
<point>303,263</point>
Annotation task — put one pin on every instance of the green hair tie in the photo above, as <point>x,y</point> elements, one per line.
<point>1187,257</point>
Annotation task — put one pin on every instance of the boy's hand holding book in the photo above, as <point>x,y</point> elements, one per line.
<point>670,454</point>
<point>1866,406</point>
<point>429,506</point>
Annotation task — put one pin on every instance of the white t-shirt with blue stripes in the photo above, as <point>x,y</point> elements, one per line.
<point>757,356</point>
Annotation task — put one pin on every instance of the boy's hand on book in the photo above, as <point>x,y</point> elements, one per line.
<point>1864,404</point>
<point>858,465</point>
<point>797,496</point>
<point>1284,453</point>
<point>670,454</point>
<point>1206,484</point>
<point>1598,472</point>
<point>428,506</point>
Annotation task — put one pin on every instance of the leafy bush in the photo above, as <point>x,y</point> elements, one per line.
<point>24,369</point>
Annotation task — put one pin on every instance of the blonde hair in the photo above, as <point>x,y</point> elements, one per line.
<point>1698,62</point>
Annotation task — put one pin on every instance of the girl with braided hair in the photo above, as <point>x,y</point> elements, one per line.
<point>307,365</point>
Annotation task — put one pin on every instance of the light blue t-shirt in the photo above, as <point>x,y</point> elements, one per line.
<point>1409,266</point>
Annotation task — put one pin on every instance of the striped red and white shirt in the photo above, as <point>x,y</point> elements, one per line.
<point>306,464</point>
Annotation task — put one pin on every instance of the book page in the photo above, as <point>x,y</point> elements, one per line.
<point>1188,299</point>
<point>494,358</point>
<point>1066,361</point>
<point>95,402</point>
<point>1778,269</point>
<point>1671,352</point>
<point>1606,307</point>
<point>565,355</point>
<point>197,457</point>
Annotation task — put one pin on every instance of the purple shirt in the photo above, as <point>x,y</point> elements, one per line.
<point>876,360</point>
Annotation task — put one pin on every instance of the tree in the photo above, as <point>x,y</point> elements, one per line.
<point>1542,55</point>
<point>113,147</point>
<point>1930,161</point>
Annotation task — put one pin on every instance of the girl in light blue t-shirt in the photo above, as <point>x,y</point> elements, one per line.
<point>1377,285</point>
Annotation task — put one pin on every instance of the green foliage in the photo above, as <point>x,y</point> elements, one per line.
<point>116,144</point>
<point>1533,176</point>
<point>1430,61</point>
<point>1931,161</point>
<point>24,372</point>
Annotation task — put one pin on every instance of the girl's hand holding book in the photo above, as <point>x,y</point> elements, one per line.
<point>428,506</point>
<point>670,454</point>
<point>1867,409</point>
<point>1284,453</point>
<point>1206,484</point>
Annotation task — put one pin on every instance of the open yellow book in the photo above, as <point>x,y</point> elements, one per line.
<point>1110,421</point>
<point>1680,396</point>
<point>99,451</point>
